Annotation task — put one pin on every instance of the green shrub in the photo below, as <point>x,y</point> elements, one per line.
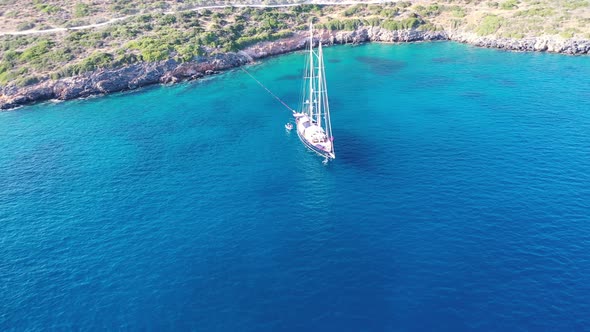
<point>26,80</point>
<point>429,27</point>
<point>25,26</point>
<point>569,33</point>
<point>14,75</point>
<point>4,67</point>
<point>150,49</point>
<point>36,51</point>
<point>95,61</point>
<point>489,25</point>
<point>168,19</point>
<point>60,55</point>
<point>243,42</point>
<point>81,10</point>
<point>408,23</point>
<point>187,52</point>
<point>45,8</point>
<point>351,11</point>
<point>351,25</point>
<point>509,4</point>
<point>458,12</point>
<point>187,16</point>
<point>566,34</point>
<point>270,24</point>
<point>11,56</point>
<point>431,10</point>
<point>538,11</point>
<point>575,4</point>
<point>348,25</point>
<point>389,13</point>
<point>391,25</point>
<point>373,21</point>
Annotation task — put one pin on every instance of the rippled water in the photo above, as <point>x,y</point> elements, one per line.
<point>459,200</point>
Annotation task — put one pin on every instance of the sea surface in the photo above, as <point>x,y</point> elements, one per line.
<point>459,200</point>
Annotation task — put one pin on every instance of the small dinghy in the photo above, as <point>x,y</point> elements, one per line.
<point>289,126</point>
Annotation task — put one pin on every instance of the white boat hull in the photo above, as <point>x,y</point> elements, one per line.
<point>311,136</point>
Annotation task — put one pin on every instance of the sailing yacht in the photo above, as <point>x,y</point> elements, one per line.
<point>313,118</point>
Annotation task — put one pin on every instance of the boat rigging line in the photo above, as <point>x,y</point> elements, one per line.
<point>267,90</point>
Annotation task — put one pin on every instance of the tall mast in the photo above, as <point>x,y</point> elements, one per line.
<point>320,85</point>
<point>324,88</point>
<point>311,70</point>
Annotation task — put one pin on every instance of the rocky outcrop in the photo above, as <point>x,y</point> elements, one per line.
<point>361,35</point>
<point>112,80</point>
<point>537,44</point>
<point>170,71</point>
<point>378,34</point>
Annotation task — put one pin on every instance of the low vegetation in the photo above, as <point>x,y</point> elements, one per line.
<point>182,36</point>
<point>153,31</point>
<point>489,25</point>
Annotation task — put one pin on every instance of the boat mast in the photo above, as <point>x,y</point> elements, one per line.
<point>320,85</point>
<point>326,106</point>
<point>311,70</point>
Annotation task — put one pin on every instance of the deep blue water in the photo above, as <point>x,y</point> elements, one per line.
<point>459,200</point>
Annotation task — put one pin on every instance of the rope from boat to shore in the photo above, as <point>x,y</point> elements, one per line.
<point>267,90</point>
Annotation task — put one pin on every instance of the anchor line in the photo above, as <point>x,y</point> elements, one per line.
<point>267,90</point>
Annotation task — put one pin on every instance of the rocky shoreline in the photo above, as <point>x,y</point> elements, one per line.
<point>537,44</point>
<point>170,71</point>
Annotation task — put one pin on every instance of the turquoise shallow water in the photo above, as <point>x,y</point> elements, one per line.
<point>459,200</point>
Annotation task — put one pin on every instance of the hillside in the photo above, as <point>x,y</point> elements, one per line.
<point>151,31</point>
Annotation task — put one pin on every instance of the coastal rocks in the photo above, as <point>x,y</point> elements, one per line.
<point>378,34</point>
<point>171,71</point>
<point>203,66</point>
<point>538,44</point>
<point>299,41</point>
<point>296,42</point>
<point>25,96</point>
<point>69,89</point>
<point>109,85</point>
<point>120,79</point>
<point>168,79</point>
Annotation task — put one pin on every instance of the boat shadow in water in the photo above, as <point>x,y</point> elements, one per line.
<point>355,150</point>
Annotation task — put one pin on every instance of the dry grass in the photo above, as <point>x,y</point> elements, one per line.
<point>566,18</point>
<point>148,37</point>
<point>521,18</point>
